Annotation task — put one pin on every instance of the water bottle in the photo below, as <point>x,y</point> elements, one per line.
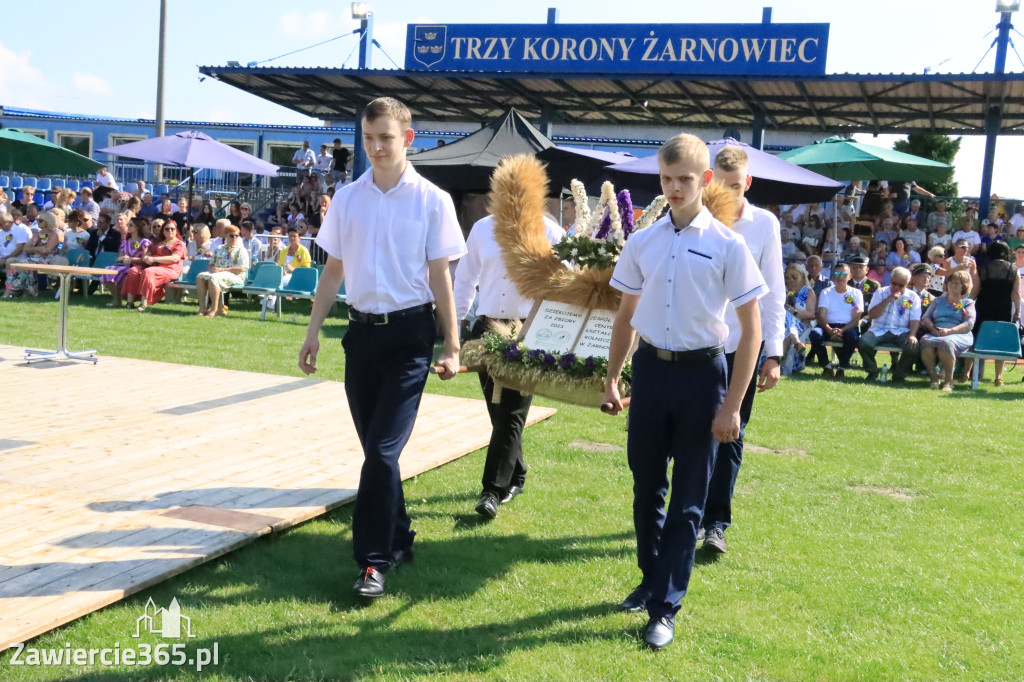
<point>885,374</point>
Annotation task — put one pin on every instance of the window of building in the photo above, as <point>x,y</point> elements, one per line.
<point>80,143</point>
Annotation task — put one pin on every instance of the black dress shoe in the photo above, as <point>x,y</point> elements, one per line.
<point>511,494</point>
<point>660,632</point>
<point>636,601</point>
<point>370,583</point>
<point>488,505</point>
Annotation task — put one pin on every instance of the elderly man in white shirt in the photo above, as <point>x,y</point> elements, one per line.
<point>895,315</point>
<point>303,159</point>
<point>676,279</point>
<point>760,231</point>
<point>390,236</point>
<point>505,467</point>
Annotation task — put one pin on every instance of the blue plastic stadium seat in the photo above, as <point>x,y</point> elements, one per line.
<point>87,183</point>
<point>44,184</point>
<point>5,182</point>
<point>58,184</point>
<point>160,190</point>
<point>73,185</point>
<point>30,182</point>
<point>996,341</point>
<point>17,182</point>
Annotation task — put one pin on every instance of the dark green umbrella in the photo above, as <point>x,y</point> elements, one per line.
<point>27,153</point>
<point>842,159</point>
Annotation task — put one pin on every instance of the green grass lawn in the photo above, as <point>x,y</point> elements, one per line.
<point>880,538</point>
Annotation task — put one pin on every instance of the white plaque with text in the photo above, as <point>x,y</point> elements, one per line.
<point>555,326</point>
<point>596,338</point>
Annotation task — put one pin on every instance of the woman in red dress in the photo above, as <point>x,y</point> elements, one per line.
<point>160,265</point>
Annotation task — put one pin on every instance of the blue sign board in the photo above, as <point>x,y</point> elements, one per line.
<point>691,49</point>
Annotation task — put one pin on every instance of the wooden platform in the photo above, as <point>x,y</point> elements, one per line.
<point>116,476</point>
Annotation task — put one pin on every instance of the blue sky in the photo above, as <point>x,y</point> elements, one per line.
<point>111,69</point>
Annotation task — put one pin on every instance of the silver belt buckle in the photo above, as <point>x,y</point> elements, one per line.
<point>665,355</point>
<point>380,324</point>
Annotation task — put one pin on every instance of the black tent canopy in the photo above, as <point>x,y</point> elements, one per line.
<point>466,165</point>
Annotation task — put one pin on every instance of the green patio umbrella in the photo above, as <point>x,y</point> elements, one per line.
<point>842,159</point>
<point>27,153</point>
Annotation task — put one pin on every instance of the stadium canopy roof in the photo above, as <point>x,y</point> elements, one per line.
<point>954,104</point>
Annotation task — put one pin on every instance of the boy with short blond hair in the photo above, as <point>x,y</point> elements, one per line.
<point>389,235</point>
<point>676,278</point>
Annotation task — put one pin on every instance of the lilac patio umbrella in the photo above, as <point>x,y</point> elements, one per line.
<point>193,149</point>
<point>776,181</point>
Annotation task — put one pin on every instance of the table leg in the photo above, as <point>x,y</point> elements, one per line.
<point>62,339</point>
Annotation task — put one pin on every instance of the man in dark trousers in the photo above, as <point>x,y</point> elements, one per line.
<point>761,232</point>
<point>500,301</point>
<point>389,236</point>
<point>676,278</point>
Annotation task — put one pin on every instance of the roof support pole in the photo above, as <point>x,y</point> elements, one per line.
<point>994,117</point>
<point>161,52</point>
<point>365,46</point>
<point>757,141</point>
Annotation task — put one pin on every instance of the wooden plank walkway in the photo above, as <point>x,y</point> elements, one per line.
<point>117,476</point>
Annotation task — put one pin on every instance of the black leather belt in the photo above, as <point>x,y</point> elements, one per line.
<point>698,355</point>
<point>378,319</point>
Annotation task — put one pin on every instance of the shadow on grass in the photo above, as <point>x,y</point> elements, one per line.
<point>391,637</point>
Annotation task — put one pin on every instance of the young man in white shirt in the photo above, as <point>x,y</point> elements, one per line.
<point>505,467</point>
<point>676,278</point>
<point>895,315</point>
<point>839,313</point>
<point>389,236</point>
<point>968,232</point>
<point>760,232</point>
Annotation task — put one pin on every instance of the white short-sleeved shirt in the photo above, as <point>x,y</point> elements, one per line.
<point>106,180</point>
<point>385,240</point>
<point>12,238</point>
<point>760,231</point>
<point>685,279</point>
<point>971,236</point>
<point>484,266</point>
<point>1016,220</point>
<point>841,310</point>
<point>898,314</point>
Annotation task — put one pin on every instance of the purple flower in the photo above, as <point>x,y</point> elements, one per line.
<point>605,227</point>
<point>590,363</point>
<point>568,360</point>
<point>513,354</point>
<point>536,353</point>
<point>625,203</point>
<point>549,360</point>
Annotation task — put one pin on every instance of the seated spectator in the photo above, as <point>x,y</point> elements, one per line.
<point>235,213</point>
<point>217,239</point>
<point>135,243</point>
<point>28,194</point>
<point>161,264</point>
<point>111,202</point>
<point>885,232</point>
<point>961,260</point>
<point>847,214</point>
<point>166,210</point>
<point>252,244</point>
<point>920,279</point>
<point>899,257</point>
<point>839,312</point>
<point>77,236</point>
<point>13,239</point>
<point>996,295</point>
<point>859,279</point>
<point>855,250</point>
<point>940,217</point>
<point>273,245</point>
<point>915,213</point>
<point>994,218</point>
<point>206,216</point>
<point>90,206</point>
<point>1018,239</point>
<point>316,219</point>
<point>895,314</point>
<point>817,281</point>
<point>41,249</point>
<point>5,203</point>
<point>801,304</point>
<point>941,237</point>
<point>915,238</point>
<point>876,271</point>
<point>991,236</point>
<point>948,324</point>
<point>103,237</point>
<point>181,217</point>
<point>968,233</point>
<point>218,210</point>
<point>204,240</point>
<point>227,269</point>
<point>294,215</point>
<point>295,256</point>
<point>789,246</point>
<point>888,213</point>
<point>937,264</point>
<point>245,211</point>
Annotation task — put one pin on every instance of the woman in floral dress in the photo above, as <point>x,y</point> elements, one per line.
<point>135,242</point>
